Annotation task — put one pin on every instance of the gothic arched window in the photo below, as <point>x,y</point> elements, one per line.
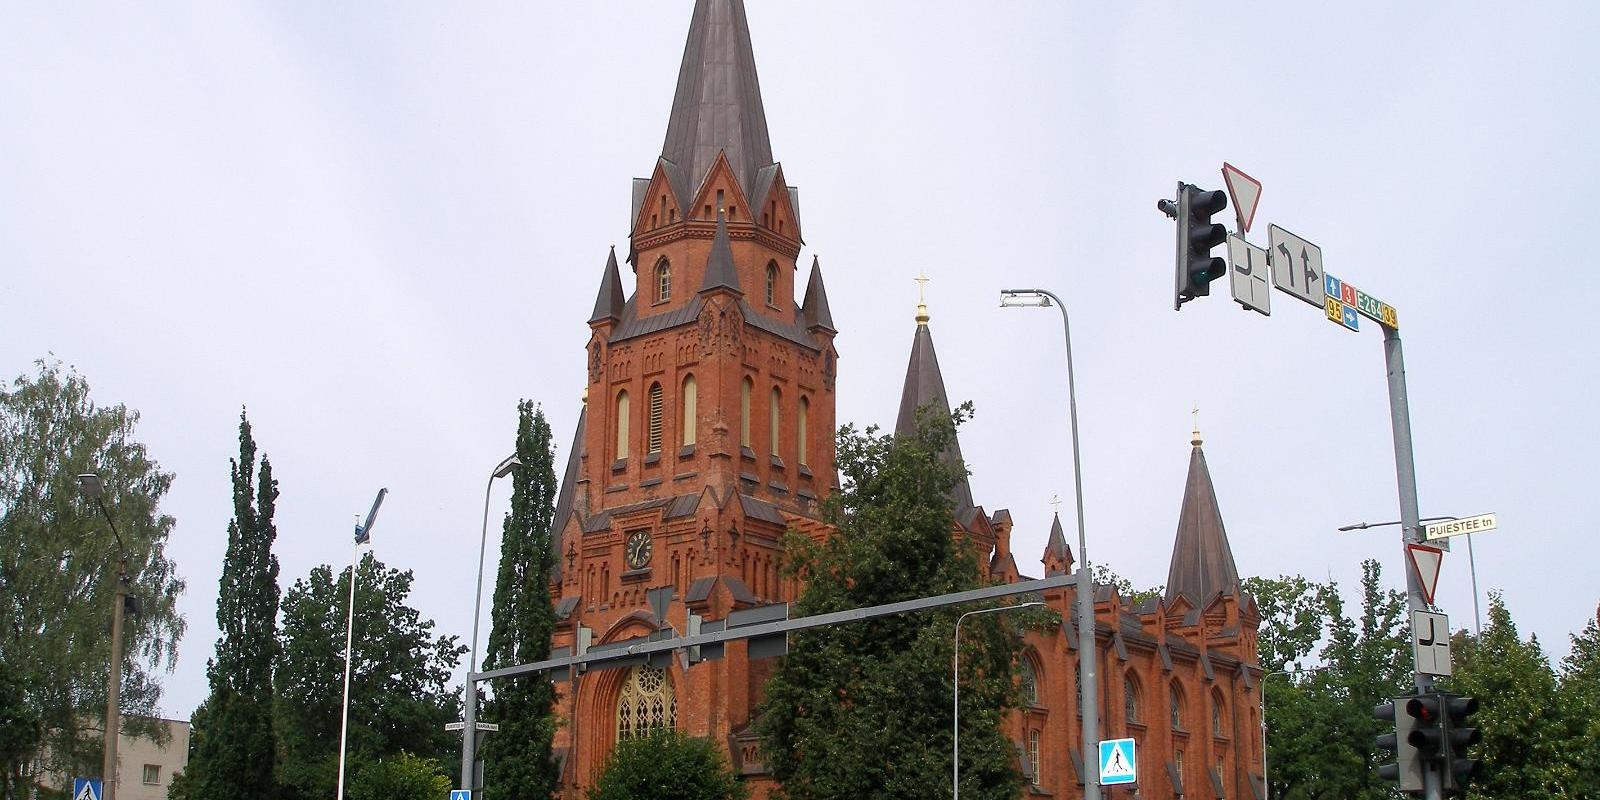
<point>772,283</point>
<point>772,422</point>
<point>647,703</point>
<point>663,281</point>
<point>744,413</point>
<point>691,410</point>
<point>1130,699</point>
<point>1033,756</point>
<point>1175,707</point>
<point>653,442</point>
<point>622,425</point>
<point>1217,713</point>
<point>802,435</point>
<point>1029,682</point>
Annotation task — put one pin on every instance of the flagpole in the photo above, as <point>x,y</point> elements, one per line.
<point>363,536</point>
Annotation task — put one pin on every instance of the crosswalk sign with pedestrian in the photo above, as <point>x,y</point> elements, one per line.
<point>1117,765</point>
<point>86,789</point>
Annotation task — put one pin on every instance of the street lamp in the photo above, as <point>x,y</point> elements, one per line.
<point>363,536</point>
<point>1266,787</point>
<point>469,717</point>
<point>1090,701</point>
<point>89,483</point>
<point>1472,562</point>
<point>955,673</point>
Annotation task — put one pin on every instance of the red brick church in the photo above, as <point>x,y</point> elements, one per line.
<point>707,433</point>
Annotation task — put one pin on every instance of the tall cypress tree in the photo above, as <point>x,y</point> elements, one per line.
<point>236,749</point>
<point>517,762</point>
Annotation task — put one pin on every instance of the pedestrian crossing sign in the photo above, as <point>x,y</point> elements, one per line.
<point>86,789</point>
<point>1117,765</point>
<point>460,794</point>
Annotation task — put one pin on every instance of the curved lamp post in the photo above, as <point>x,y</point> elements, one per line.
<point>89,483</point>
<point>955,672</point>
<point>1472,562</point>
<point>1090,701</point>
<point>469,716</point>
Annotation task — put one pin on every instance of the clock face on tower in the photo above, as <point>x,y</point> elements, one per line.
<point>637,549</point>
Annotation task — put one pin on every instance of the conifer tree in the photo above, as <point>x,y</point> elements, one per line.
<point>517,760</point>
<point>1580,700</point>
<point>863,710</point>
<point>236,750</point>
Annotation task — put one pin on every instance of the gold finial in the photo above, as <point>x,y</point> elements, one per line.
<point>1196,412</point>
<point>1055,502</point>
<point>586,395</point>
<point>922,301</point>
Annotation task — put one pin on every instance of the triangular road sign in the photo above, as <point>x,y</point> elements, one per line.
<point>1425,560</point>
<point>1245,192</point>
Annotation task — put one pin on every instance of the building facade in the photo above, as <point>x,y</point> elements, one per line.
<point>707,434</point>
<point>145,764</point>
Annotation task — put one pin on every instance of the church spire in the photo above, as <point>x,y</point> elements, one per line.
<point>608,302</point>
<point>1202,562</point>
<point>924,386</point>
<point>717,106</point>
<point>815,311</point>
<point>1057,556</point>
<point>720,273</point>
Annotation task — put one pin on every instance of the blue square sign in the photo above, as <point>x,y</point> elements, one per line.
<point>86,789</point>
<point>460,794</point>
<point>1117,765</point>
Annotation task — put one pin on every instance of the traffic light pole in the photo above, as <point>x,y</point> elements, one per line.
<point>1410,526</point>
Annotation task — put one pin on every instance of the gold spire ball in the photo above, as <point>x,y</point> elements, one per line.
<point>922,302</point>
<point>1196,440</point>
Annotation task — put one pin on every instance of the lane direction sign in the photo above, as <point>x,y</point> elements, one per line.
<point>1245,192</point>
<point>1117,765</point>
<point>1296,265</point>
<point>1430,642</point>
<point>1425,560</point>
<point>1247,271</point>
<point>1483,523</point>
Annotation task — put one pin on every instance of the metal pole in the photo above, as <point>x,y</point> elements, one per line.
<point>349,627</point>
<point>469,714</point>
<point>955,682</point>
<point>119,600</point>
<point>1477,615</point>
<point>1410,528</point>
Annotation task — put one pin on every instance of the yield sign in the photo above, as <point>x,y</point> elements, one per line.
<point>1246,193</point>
<point>1425,560</point>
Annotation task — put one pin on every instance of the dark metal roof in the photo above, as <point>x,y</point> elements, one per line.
<point>720,273</point>
<point>684,505</point>
<point>631,324</point>
<point>700,589</point>
<point>792,331</point>
<point>569,489</point>
<point>1202,562</point>
<point>924,386</point>
<point>1057,545</point>
<point>717,106</point>
<point>608,302</point>
<point>815,311</point>
<point>760,509</point>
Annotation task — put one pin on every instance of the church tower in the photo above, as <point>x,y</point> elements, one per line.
<point>709,411</point>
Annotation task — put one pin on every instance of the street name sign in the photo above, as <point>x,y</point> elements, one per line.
<point>1482,523</point>
<point>1245,192</point>
<point>1430,642</point>
<point>1247,271</point>
<point>86,789</point>
<point>1425,561</point>
<point>1296,265</point>
<point>1117,765</point>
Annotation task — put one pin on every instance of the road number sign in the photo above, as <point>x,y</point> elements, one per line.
<point>1296,265</point>
<point>1430,642</point>
<point>1247,272</point>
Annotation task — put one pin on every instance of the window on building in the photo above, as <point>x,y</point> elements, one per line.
<point>744,413</point>
<point>663,281</point>
<point>1175,707</point>
<point>1177,761</point>
<point>1029,682</point>
<point>653,443</point>
<point>647,703</point>
<point>1216,714</point>
<point>622,425</point>
<point>1033,756</point>
<point>720,207</point>
<point>691,411</point>
<point>1130,699</point>
<point>772,283</point>
<point>152,774</point>
<point>772,422</point>
<point>802,432</point>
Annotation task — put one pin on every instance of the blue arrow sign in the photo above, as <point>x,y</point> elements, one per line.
<point>1117,765</point>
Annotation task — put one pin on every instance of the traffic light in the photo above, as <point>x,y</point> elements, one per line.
<point>1407,769</point>
<point>1197,235</point>
<point>1459,770</point>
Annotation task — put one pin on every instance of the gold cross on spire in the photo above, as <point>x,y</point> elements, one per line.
<point>922,301</point>
<point>1196,412</point>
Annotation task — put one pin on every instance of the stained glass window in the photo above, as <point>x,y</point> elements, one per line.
<point>647,703</point>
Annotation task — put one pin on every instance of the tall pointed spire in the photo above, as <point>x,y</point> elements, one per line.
<point>1057,556</point>
<point>567,492</point>
<point>608,302</point>
<point>924,386</point>
<point>720,273</point>
<point>1202,562</point>
<point>717,106</point>
<point>815,311</point>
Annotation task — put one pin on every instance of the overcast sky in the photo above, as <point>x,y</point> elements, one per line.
<point>380,224</point>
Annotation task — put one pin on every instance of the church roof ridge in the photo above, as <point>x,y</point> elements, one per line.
<point>717,105</point>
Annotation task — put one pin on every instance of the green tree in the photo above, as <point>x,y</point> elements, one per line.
<point>517,761</point>
<point>863,710</point>
<point>400,777</point>
<point>667,765</point>
<point>1524,749</point>
<point>19,729</point>
<point>55,544</point>
<point>1580,700</point>
<point>237,743</point>
<point>399,697</point>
